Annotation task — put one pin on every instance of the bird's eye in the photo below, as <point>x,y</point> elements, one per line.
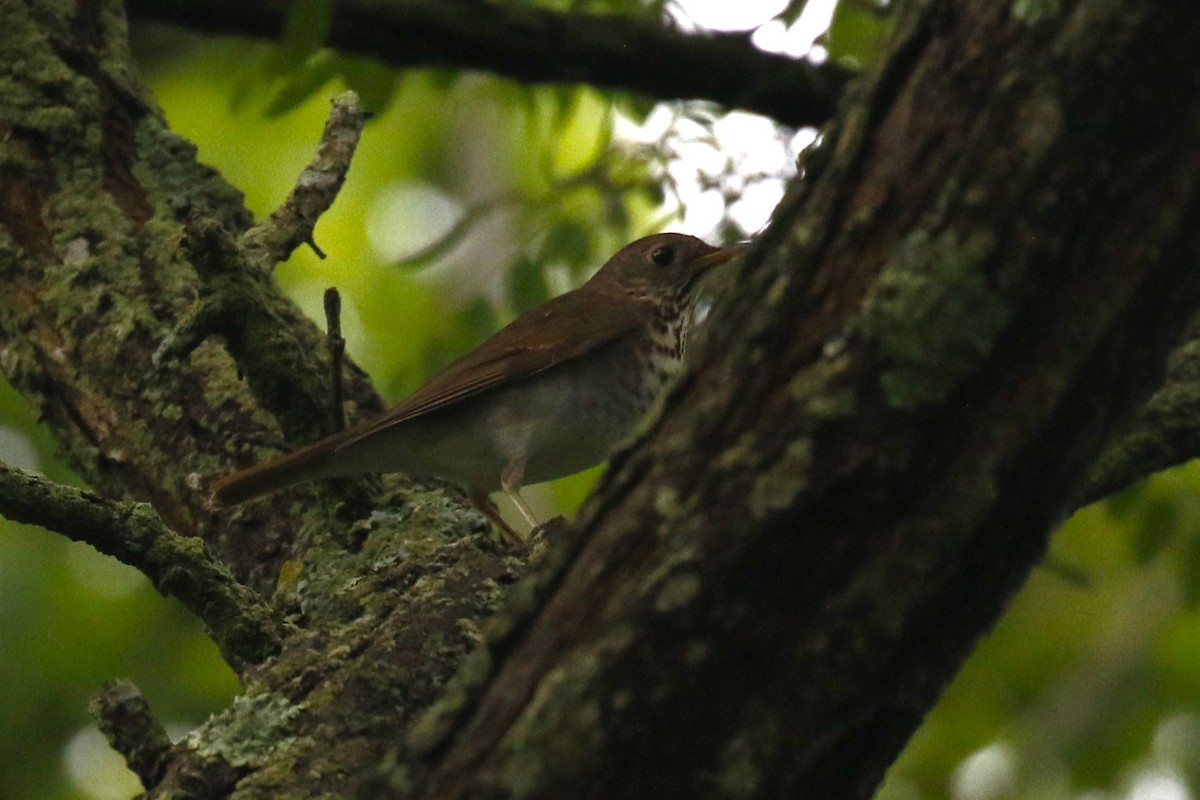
<point>663,256</point>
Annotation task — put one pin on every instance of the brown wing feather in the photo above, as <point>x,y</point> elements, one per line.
<point>563,328</point>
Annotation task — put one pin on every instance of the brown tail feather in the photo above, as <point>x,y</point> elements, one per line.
<point>271,476</point>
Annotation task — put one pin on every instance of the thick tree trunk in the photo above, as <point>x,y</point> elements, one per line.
<point>968,299</point>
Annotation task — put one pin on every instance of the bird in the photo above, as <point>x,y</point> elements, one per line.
<point>549,395</point>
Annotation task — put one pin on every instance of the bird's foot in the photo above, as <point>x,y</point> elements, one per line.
<point>487,507</point>
<point>548,528</point>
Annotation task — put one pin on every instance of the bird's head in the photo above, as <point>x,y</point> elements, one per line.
<point>664,267</point>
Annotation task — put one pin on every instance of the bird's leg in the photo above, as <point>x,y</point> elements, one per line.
<point>510,482</point>
<point>488,508</point>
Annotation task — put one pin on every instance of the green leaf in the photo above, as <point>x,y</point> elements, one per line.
<point>302,84</point>
<point>304,33</point>
<point>246,82</point>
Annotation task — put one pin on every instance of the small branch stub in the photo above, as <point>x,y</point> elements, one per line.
<point>125,720</point>
<point>238,620</point>
<point>337,348</point>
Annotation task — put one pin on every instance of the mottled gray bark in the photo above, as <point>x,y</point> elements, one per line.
<point>115,241</point>
<point>972,294</point>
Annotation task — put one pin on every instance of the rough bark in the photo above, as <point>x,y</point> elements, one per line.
<point>113,241</point>
<point>970,296</point>
<point>957,310</point>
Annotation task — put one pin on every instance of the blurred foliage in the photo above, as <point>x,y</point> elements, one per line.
<point>471,199</point>
<point>70,619</point>
<point>857,30</point>
<point>1091,681</point>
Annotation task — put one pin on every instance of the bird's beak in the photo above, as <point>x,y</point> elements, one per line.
<point>704,263</point>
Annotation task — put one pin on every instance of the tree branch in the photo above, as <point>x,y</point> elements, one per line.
<point>537,45</point>
<point>125,720</point>
<point>273,240</point>
<point>239,622</point>
<point>237,301</point>
<point>772,589</point>
<point>97,195</point>
<point>1166,432</point>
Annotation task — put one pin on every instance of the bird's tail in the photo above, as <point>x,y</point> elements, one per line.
<point>305,464</point>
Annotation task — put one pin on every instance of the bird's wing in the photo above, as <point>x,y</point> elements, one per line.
<point>562,329</point>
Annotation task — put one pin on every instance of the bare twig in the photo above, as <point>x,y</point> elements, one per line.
<point>274,239</point>
<point>235,301</point>
<point>337,348</point>
<point>125,720</point>
<point>239,621</point>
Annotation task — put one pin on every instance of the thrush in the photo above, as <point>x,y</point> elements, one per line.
<point>549,395</point>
